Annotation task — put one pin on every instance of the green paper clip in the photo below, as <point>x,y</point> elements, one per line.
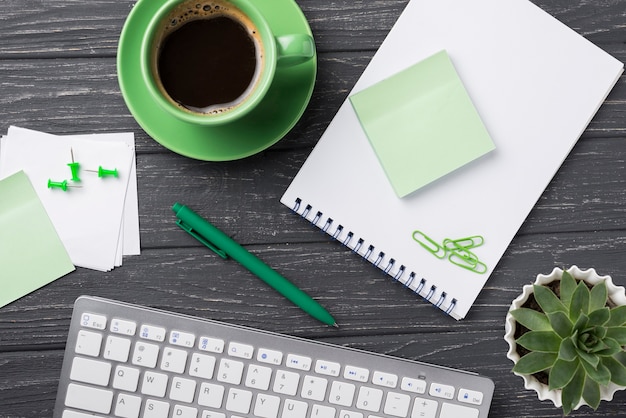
<point>471,264</point>
<point>429,244</point>
<point>468,242</point>
<point>457,250</point>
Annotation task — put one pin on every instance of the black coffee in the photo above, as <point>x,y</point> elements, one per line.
<point>208,63</point>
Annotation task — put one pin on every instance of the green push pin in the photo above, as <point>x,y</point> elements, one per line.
<point>74,166</point>
<point>102,172</point>
<point>59,185</point>
<point>107,173</point>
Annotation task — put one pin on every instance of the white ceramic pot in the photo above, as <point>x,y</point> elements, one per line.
<point>617,294</point>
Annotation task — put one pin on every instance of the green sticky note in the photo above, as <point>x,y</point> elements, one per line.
<point>31,253</point>
<point>421,123</point>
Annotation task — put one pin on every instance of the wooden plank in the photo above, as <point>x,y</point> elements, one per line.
<point>66,28</point>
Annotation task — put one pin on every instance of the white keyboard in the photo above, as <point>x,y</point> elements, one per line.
<point>124,360</point>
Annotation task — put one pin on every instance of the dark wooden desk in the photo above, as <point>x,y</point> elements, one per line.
<point>58,74</point>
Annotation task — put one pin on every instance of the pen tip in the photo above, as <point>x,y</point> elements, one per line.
<point>335,325</point>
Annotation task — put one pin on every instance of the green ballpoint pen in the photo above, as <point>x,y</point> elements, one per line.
<point>226,247</point>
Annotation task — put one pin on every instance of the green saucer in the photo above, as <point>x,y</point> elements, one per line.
<point>279,111</point>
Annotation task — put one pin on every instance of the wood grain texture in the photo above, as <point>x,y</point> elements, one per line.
<point>58,75</point>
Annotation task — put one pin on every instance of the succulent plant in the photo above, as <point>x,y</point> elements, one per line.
<point>577,339</point>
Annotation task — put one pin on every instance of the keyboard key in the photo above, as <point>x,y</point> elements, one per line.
<point>341,393</point>
<point>239,401</point>
<point>449,410</point>
<point>319,411</point>
<point>295,409</point>
<point>121,326</point>
<point>258,377</point>
<point>145,354</point>
<point>117,349</point>
<point>212,414</point>
<point>286,382</point>
<point>182,339</point>
<point>269,356</point>
<point>314,388</point>
<point>470,396</point>
<point>387,380</point>
<point>413,385</point>
<point>230,371</point>
<point>153,333</point>
<point>441,391</point>
<point>181,411</point>
<point>74,414</point>
<point>295,361</point>
<point>397,404</point>
<point>126,378</point>
<point>425,408</point>
<point>183,390</point>
<point>356,373</point>
<point>154,384</point>
<point>350,414</point>
<point>202,365</point>
<point>174,360</point>
<point>127,406</point>
<point>89,398</point>
<point>369,399</point>
<point>266,406</point>
<point>327,368</point>
<point>211,395</point>
<point>156,409</point>
<point>90,320</point>
<point>90,371</point>
<point>240,350</point>
<point>88,343</point>
<point>213,345</point>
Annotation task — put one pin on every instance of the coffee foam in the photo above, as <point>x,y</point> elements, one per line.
<point>196,10</point>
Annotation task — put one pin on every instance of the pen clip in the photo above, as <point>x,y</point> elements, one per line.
<point>200,238</point>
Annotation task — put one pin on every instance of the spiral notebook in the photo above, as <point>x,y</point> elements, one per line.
<point>536,85</point>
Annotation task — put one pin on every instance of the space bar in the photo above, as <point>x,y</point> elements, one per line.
<point>88,398</point>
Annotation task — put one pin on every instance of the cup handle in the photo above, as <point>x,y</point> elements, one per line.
<point>294,49</point>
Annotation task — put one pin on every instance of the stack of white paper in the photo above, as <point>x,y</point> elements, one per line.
<point>97,218</point>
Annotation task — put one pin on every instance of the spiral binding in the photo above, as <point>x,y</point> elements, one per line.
<point>421,287</point>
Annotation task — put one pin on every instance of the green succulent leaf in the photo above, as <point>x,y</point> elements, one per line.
<point>592,359</point>
<point>617,333</point>
<point>573,391</point>
<point>562,373</point>
<point>600,374</point>
<point>540,341</point>
<point>598,296</point>
<point>531,319</point>
<point>560,323</point>
<point>568,285</point>
<point>568,351</point>
<point>618,317</point>
<point>599,317</point>
<point>618,370</point>
<point>534,362</point>
<point>581,323</point>
<point>621,357</point>
<point>591,393</point>
<point>612,348</point>
<point>580,301</point>
<point>548,300</point>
